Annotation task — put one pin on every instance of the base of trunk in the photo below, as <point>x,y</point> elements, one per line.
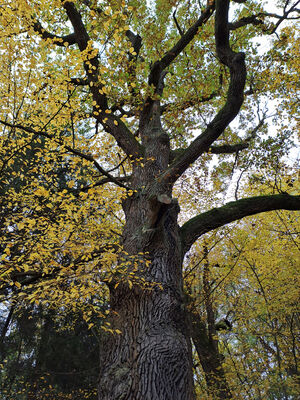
<point>151,359</point>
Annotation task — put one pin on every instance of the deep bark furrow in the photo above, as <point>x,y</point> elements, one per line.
<point>151,358</point>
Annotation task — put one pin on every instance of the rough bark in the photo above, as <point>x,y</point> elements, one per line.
<point>151,358</point>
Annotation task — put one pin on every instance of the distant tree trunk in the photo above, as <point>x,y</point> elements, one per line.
<point>210,360</point>
<point>205,341</point>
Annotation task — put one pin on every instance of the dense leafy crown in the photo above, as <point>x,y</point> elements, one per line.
<point>77,81</point>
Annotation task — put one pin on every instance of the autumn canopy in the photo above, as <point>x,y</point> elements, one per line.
<point>135,137</point>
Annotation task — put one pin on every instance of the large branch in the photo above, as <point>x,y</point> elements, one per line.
<point>111,124</point>
<point>58,40</point>
<point>91,64</point>
<point>235,210</point>
<point>235,97</point>
<point>160,65</point>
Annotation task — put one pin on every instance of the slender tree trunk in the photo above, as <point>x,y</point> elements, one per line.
<point>210,360</point>
<point>205,341</point>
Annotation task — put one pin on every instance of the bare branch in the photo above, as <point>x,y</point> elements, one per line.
<point>222,149</point>
<point>160,65</point>
<point>177,24</point>
<point>190,103</point>
<point>228,149</point>
<point>253,19</point>
<point>70,149</point>
<point>101,182</point>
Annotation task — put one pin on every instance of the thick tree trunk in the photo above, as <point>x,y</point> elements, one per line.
<point>151,358</point>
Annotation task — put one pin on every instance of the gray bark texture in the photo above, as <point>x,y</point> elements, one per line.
<point>151,358</point>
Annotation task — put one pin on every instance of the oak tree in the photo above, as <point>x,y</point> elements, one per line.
<point>109,109</point>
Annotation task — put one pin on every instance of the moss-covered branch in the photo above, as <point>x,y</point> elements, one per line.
<point>233,211</point>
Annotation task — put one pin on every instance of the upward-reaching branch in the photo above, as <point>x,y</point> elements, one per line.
<point>160,65</point>
<point>158,70</point>
<point>235,97</point>
<point>110,123</point>
<point>92,63</point>
<point>235,210</point>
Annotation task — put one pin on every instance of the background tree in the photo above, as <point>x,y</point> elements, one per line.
<point>251,299</point>
<point>129,95</point>
<point>49,355</point>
